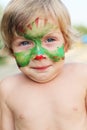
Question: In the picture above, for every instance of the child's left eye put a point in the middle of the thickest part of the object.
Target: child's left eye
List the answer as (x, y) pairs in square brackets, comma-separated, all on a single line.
[(50, 40)]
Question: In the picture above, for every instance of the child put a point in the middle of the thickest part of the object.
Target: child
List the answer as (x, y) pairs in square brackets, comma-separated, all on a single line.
[(48, 94)]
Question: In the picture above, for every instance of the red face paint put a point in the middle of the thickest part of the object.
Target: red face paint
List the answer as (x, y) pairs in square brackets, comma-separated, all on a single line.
[(39, 57)]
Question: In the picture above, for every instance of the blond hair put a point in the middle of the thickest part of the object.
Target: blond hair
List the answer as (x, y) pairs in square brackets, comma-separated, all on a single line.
[(20, 12)]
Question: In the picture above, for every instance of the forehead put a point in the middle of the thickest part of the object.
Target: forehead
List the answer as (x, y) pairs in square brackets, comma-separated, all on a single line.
[(40, 26), (41, 22)]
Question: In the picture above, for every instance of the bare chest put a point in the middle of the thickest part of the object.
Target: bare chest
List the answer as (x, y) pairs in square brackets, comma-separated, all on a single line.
[(49, 110)]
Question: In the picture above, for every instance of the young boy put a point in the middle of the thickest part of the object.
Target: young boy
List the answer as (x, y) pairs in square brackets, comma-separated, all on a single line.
[(48, 94)]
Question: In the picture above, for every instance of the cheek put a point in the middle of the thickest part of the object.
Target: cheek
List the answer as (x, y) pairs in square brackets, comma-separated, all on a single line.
[(58, 66), (53, 46), (56, 55)]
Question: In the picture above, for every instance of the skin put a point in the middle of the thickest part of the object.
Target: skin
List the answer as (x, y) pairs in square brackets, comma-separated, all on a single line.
[(57, 105), (49, 44), (56, 101), (35, 32), (23, 58)]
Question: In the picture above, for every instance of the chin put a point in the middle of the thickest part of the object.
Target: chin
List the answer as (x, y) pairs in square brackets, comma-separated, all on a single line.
[(43, 78)]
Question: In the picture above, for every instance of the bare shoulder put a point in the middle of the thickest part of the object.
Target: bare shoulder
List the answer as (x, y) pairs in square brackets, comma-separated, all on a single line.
[(8, 84), (79, 69)]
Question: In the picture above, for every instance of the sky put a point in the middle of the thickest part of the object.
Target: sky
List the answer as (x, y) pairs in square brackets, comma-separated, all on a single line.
[(76, 8)]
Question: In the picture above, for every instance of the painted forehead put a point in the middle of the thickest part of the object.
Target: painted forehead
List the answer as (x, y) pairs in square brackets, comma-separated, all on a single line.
[(38, 28)]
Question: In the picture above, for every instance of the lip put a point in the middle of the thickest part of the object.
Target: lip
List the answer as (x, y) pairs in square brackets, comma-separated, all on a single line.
[(41, 67)]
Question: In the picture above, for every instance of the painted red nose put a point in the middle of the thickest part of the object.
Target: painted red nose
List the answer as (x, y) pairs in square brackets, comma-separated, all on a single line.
[(39, 57)]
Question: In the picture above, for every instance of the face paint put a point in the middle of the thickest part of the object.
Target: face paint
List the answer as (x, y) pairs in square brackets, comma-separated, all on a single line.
[(23, 58), (38, 28), (35, 32)]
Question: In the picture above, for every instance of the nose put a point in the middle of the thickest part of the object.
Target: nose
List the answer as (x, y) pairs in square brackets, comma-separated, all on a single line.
[(40, 57)]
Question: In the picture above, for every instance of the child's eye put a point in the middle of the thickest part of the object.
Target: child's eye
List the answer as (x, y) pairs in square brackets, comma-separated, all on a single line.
[(25, 43), (50, 40)]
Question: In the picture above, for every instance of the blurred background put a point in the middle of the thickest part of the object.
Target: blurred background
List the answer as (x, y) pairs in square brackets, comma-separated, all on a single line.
[(78, 52)]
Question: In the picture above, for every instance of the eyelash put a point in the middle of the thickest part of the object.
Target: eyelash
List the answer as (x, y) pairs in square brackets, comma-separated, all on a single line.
[(50, 39), (47, 40), (24, 43)]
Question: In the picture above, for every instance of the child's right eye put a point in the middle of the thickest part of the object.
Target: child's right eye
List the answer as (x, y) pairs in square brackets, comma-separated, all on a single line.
[(25, 43)]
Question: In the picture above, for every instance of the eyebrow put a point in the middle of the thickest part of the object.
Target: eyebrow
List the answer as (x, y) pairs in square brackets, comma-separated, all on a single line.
[(53, 33), (19, 39)]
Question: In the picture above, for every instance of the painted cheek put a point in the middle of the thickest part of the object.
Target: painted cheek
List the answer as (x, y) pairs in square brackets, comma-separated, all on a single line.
[(23, 58)]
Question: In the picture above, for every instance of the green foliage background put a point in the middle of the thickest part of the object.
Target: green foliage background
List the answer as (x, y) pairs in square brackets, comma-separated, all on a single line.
[(81, 28)]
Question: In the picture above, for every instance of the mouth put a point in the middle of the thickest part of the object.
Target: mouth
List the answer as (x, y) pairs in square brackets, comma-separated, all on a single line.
[(41, 67)]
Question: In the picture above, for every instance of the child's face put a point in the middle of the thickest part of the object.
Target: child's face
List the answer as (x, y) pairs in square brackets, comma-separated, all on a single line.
[(39, 52)]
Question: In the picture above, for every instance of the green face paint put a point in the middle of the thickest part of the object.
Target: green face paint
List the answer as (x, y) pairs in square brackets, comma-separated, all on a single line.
[(23, 58), (35, 34), (38, 28)]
